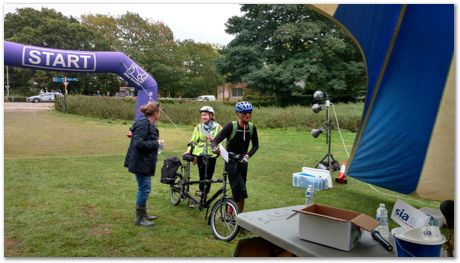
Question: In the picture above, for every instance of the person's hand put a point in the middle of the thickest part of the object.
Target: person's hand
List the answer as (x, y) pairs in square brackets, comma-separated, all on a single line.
[(161, 144), (216, 150), (245, 158), (210, 138), (130, 134)]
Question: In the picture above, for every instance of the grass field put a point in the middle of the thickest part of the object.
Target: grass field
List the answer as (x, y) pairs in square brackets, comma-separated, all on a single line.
[(67, 194)]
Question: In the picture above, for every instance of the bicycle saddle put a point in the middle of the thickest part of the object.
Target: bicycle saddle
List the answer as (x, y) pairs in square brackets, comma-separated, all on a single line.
[(187, 157)]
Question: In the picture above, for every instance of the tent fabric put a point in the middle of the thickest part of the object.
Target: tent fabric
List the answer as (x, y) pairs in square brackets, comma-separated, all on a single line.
[(373, 27), (394, 140), (19, 55), (328, 9), (438, 173)]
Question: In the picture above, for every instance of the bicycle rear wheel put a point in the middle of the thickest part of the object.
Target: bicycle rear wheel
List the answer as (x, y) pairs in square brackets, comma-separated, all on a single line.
[(223, 220), (175, 192)]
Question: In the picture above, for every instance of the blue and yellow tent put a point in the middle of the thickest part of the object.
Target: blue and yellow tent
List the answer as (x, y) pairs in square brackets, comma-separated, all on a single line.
[(406, 139)]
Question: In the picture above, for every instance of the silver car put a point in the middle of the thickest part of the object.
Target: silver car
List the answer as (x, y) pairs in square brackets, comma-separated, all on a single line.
[(44, 97), (206, 98)]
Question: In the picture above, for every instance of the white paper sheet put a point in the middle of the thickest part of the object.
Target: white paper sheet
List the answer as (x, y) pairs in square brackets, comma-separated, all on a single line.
[(408, 216), (223, 153)]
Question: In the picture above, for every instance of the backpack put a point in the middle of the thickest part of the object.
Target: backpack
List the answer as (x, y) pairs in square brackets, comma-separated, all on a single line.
[(169, 170), (235, 127)]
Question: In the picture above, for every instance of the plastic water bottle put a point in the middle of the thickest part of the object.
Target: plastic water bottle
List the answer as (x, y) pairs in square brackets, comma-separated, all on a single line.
[(325, 186), (322, 183), (309, 195), (160, 147), (382, 217)]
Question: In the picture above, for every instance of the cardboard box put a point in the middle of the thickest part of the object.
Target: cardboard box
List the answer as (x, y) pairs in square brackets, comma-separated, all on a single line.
[(333, 227)]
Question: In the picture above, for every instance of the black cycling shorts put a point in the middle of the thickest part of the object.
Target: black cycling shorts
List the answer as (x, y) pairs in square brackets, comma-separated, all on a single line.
[(237, 174)]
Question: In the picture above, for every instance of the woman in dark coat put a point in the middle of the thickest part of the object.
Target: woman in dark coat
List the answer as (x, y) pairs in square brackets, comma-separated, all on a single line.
[(142, 157)]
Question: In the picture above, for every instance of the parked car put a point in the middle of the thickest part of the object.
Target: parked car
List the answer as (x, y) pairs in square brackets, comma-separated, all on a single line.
[(207, 98), (44, 97)]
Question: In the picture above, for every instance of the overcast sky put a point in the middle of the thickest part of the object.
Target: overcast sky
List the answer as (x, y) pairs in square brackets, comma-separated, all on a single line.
[(200, 22)]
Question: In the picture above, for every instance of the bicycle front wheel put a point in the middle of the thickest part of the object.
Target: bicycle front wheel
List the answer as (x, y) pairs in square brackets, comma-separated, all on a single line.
[(175, 192), (223, 220)]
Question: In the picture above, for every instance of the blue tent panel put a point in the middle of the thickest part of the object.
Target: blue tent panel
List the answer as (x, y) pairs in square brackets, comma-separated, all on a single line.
[(373, 27), (395, 138)]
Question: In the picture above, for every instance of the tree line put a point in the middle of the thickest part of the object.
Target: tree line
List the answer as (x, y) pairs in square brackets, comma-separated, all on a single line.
[(181, 68), (280, 51), (290, 51)]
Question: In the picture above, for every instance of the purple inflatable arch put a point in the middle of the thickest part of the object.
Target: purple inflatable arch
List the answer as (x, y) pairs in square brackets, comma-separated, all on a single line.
[(18, 55)]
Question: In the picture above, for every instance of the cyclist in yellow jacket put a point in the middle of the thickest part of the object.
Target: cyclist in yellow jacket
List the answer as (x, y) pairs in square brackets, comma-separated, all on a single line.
[(202, 136)]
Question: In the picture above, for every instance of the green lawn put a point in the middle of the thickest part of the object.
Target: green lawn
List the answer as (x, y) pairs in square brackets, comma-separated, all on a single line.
[(67, 194)]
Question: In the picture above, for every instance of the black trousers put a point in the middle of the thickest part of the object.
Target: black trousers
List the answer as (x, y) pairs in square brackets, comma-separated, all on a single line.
[(210, 172), (237, 176)]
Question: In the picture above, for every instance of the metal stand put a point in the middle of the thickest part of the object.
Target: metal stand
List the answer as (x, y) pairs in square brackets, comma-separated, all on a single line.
[(331, 164)]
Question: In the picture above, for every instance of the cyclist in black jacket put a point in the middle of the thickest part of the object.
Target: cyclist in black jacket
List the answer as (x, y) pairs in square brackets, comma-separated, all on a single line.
[(238, 134)]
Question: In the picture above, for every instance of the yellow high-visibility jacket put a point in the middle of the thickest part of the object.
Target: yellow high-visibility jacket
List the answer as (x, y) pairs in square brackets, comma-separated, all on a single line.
[(200, 141)]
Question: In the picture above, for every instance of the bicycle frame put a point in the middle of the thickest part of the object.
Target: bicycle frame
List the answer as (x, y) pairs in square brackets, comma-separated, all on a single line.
[(222, 216), (203, 202)]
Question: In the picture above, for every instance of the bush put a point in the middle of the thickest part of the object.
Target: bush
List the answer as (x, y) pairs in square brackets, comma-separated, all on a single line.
[(15, 99), (186, 112), (100, 107)]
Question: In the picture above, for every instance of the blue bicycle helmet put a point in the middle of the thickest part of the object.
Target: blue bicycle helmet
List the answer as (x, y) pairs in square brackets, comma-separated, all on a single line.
[(243, 106)]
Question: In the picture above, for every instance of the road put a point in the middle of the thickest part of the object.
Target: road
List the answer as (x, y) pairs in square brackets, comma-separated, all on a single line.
[(28, 106)]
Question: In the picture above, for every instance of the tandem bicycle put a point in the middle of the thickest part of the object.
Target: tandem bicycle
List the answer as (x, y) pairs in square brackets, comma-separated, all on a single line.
[(222, 217)]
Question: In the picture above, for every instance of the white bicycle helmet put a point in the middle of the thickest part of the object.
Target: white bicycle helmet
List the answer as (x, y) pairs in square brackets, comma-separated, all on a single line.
[(207, 109)]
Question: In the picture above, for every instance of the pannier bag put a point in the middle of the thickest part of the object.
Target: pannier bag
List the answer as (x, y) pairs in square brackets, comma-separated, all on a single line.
[(169, 170)]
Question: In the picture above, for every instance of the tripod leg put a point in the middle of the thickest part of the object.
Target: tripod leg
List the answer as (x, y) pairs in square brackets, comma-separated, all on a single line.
[(320, 162), (330, 161)]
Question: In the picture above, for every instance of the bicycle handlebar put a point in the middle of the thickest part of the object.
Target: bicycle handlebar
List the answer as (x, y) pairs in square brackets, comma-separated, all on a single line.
[(235, 157)]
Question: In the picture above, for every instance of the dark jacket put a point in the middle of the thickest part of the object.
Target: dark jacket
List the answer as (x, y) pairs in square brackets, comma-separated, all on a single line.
[(240, 143), (141, 157)]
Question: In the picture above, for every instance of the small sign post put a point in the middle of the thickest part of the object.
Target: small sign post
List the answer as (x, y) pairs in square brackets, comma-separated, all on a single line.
[(65, 85), (7, 84), (65, 81)]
